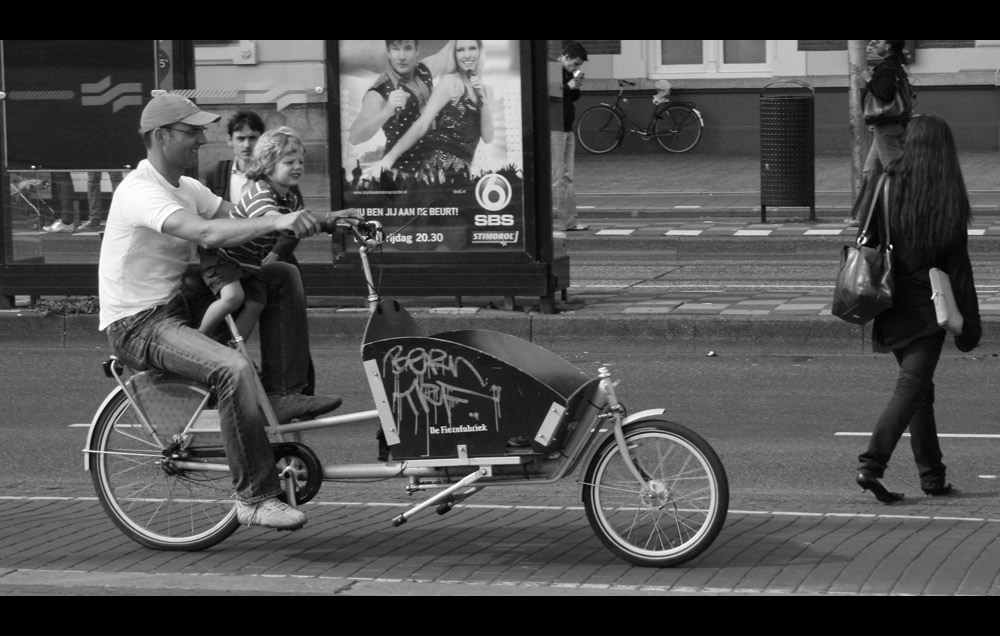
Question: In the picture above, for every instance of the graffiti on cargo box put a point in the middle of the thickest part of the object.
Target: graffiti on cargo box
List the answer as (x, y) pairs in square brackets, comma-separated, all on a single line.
[(430, 384)]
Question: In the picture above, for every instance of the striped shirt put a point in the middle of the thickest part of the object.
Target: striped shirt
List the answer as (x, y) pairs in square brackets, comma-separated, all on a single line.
[(260, 199)]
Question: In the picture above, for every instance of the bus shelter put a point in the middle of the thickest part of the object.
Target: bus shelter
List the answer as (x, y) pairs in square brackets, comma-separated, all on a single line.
[(71, 110)]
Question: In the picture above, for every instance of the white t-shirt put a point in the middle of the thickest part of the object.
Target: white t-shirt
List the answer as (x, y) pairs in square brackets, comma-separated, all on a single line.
[(238, 185), (140, 266)]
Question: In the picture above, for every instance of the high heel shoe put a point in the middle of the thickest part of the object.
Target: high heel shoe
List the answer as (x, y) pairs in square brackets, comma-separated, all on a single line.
[(938, 491), (867, 482)]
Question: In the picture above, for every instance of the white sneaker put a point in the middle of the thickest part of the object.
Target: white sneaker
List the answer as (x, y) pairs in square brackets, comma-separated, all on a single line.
[(270, 513), (59, 226)]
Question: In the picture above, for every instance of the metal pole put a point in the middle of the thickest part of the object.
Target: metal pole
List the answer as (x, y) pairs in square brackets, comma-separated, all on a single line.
[(857, 60)]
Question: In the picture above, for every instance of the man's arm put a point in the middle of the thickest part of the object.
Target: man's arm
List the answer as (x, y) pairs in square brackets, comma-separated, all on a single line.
[(225, 210), (226, 232), (222, 231)]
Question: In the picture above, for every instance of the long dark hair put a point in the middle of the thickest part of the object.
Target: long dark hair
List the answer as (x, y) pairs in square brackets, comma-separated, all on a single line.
[(930, 205)]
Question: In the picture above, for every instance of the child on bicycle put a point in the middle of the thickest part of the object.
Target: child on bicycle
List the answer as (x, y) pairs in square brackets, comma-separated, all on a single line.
[(233, 273)]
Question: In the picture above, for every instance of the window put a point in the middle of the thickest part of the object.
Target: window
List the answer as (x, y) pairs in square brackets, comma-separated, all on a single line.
[(711, 57)]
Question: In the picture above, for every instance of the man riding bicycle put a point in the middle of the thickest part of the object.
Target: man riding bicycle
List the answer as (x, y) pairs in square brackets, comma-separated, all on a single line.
[(157, 216)]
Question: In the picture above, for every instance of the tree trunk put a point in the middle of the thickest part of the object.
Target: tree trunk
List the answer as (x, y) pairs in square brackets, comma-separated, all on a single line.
[(857, 60)]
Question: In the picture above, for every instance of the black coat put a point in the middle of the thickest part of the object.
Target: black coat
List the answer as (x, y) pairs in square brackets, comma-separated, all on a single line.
[(912, 313), (884, 84)]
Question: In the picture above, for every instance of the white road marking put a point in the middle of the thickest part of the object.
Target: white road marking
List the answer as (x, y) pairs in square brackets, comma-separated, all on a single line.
[(769, 513), (952, 435)]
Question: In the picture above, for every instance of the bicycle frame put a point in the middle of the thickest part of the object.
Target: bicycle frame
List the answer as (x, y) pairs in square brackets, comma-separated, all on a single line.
[(675, 125), (598, 416), (654, 491)]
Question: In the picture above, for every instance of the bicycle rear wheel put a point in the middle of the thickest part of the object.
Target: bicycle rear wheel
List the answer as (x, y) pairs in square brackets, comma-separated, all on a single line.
[(678, 128), (152, 501), (599, 130), (679, 510)]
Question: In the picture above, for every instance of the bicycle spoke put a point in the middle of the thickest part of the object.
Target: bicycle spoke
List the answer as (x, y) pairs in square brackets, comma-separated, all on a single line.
[(599, 130), (677, 128), (670, 518), (152, 499)]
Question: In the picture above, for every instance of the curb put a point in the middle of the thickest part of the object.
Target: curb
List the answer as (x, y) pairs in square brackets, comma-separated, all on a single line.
[(776, 246), (681, 334)]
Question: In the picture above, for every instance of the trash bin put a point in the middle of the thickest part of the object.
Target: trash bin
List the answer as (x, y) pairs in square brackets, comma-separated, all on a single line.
[(787, 149)]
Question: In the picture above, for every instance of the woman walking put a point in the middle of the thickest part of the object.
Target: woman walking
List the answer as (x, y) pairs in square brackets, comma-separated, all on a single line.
[(929, 215)]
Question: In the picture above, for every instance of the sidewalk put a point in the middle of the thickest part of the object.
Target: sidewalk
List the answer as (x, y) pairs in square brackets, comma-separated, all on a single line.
[(706, 175), (659, 187), (67, 546), (684, 208)]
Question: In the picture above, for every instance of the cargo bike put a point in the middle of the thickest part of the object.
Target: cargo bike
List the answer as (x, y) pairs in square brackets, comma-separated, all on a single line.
[(459, 412)]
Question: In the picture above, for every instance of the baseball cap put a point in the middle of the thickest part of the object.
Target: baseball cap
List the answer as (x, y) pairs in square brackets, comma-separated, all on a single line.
[(164, 110)]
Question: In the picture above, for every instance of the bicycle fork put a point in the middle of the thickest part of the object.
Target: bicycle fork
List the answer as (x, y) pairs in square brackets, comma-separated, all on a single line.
[(615, 411)]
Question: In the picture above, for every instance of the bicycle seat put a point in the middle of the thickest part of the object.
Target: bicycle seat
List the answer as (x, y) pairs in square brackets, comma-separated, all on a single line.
[(662, 92)]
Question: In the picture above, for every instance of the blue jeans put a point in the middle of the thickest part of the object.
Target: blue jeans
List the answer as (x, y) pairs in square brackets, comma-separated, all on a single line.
[(564, 213), (94, 194), (911, 406), (887, 146), (165, 337)]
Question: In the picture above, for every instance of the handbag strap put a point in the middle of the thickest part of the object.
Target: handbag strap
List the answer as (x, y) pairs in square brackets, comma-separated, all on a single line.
[(887, 243), (879, 187)]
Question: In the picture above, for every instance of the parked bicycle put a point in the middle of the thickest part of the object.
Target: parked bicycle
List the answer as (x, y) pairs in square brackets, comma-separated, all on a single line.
[(676, 126), (27, 200), (460, 411)]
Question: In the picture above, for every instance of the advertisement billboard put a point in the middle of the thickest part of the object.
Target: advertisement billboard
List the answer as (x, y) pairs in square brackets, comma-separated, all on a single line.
[(432, 143)]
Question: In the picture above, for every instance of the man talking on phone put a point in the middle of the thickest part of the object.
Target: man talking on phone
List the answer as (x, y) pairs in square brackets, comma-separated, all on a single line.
[(564, 213)]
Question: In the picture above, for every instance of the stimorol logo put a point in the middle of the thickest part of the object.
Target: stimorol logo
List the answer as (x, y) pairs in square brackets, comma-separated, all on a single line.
[(493, 193), (119, 96)]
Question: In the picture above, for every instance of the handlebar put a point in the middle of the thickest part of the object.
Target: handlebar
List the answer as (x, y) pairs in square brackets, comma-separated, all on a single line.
[(367, 233)]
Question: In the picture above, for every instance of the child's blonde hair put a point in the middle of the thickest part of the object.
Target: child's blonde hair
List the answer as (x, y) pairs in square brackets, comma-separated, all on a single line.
[(270, 148)]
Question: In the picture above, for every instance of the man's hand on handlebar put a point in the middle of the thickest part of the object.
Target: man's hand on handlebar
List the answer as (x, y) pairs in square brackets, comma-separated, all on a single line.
[(306, 222), (331, 221)]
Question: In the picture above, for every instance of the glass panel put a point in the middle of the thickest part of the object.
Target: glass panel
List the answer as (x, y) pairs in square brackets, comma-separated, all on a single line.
[(70, 121), (39, 198), (284, 83), (744, 51), (674, 52), (431, 132)]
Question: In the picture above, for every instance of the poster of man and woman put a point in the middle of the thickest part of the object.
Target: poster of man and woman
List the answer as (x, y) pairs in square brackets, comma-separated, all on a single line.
[(431, 139)]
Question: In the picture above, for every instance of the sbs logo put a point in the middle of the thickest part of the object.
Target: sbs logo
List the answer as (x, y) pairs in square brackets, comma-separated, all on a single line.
[(493, 193)]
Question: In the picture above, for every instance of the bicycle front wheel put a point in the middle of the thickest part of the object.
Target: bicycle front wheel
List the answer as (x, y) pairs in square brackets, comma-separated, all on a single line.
[(678, 128), (599, 130), (146, 495), (672, 517)]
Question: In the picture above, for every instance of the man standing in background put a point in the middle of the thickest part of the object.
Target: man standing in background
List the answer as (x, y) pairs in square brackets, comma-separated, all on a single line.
[(228, 178), (564, 142)]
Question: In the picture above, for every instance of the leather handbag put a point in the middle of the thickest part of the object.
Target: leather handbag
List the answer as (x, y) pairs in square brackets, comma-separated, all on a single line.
[(945, 307), (865, 285), (899, 109)]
